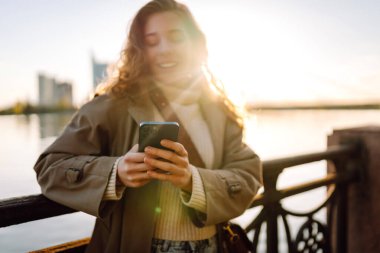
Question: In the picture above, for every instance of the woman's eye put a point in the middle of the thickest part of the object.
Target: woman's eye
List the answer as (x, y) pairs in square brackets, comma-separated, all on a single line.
[(151, 40), (177, 36)]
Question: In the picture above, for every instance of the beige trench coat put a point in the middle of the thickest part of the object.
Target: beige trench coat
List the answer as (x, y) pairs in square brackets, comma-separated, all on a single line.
[(74, 171)]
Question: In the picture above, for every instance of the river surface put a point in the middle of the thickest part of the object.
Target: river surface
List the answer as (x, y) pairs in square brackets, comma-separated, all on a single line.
[(272, 134)]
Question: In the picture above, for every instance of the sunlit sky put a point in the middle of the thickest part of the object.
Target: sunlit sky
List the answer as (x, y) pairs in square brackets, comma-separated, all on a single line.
[(267, 51)]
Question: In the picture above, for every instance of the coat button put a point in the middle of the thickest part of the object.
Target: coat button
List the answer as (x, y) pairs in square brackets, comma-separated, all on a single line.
[(234, 188), (74, 175)]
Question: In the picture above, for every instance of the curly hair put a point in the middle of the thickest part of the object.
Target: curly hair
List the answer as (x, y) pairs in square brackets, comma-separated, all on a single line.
[(131, 73)]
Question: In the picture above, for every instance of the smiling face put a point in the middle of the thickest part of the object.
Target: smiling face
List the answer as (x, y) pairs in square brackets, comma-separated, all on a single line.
[(168, 48)]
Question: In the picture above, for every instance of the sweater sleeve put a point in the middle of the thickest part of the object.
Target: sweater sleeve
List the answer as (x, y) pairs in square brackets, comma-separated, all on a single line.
[(197, 198), (113, 190)]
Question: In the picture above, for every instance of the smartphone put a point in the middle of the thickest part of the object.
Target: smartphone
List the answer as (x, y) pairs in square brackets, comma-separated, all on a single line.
[(151, 133)]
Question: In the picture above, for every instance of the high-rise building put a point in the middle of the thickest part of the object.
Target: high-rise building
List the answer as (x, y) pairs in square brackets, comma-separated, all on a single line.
[(64, 94), (99, 71), (53, 93), (45, 90)]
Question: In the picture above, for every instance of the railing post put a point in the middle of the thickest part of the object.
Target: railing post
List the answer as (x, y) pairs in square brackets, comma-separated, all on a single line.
[(271, 211), (272, 229), (341, 236), (356, 220)]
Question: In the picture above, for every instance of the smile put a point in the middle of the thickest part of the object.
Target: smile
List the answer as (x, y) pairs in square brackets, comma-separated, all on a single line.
[(167, 65)]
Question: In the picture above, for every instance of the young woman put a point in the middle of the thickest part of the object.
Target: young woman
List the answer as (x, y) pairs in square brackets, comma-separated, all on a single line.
[(94, 165)]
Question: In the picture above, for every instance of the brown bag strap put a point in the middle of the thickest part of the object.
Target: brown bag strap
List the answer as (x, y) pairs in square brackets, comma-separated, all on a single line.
[(168, 114)]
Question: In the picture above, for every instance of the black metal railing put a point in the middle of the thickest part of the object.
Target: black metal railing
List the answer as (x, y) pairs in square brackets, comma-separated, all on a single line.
[(312, 236)]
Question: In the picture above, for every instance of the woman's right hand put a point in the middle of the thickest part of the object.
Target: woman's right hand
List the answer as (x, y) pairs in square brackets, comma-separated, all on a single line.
[(131, 169)]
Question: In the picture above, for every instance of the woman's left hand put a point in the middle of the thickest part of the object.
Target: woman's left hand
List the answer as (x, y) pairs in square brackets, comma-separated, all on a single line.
[(176, 163)]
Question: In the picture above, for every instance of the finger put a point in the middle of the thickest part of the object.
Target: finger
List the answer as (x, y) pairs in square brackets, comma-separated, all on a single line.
[(134, 157), (137, 177), (151, 156), (135, 167), (175, 146), (161, 153), (166, 166), (160, 176), (138, 183), (135, 148)]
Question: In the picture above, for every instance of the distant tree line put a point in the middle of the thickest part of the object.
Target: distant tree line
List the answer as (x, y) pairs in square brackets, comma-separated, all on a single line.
[(251, 107), (28, 108)]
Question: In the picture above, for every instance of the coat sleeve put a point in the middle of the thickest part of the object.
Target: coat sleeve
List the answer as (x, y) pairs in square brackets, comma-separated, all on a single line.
[(230, 189), (75, 169)]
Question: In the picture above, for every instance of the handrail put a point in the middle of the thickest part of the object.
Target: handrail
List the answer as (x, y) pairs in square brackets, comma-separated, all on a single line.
[(35, 207), (19, 210), (275, 166)]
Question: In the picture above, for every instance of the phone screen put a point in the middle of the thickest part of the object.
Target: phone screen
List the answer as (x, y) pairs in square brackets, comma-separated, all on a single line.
[(151, 133)]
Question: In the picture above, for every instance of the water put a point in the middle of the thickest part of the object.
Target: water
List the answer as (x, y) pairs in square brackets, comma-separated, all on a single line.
[(271, 134)]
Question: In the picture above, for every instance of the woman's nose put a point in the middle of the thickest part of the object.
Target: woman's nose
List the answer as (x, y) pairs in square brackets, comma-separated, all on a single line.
[(165, 46)]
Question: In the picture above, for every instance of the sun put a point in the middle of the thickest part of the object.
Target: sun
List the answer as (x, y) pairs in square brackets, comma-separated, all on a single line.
[(260, 58)]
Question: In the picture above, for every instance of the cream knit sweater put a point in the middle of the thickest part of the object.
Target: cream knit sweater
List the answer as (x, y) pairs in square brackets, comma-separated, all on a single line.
[(173, 223)]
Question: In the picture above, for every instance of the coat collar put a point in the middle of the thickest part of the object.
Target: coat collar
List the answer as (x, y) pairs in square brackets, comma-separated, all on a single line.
[(141, 108)]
